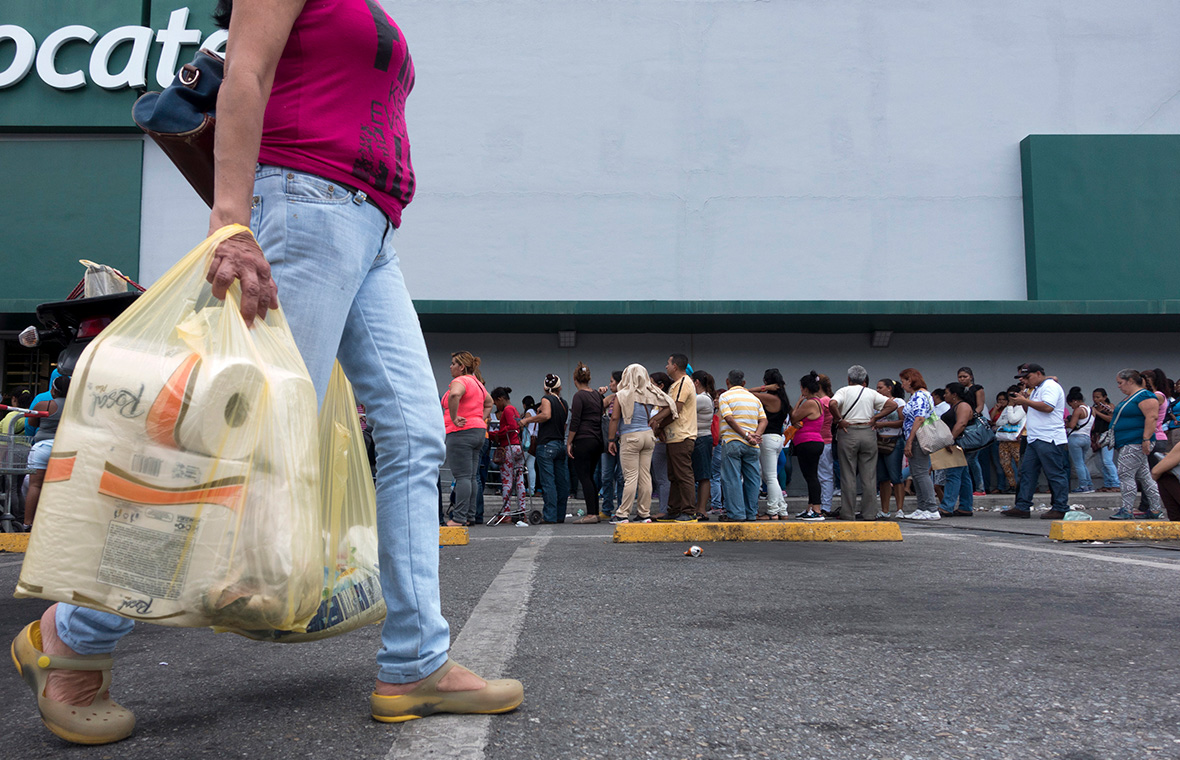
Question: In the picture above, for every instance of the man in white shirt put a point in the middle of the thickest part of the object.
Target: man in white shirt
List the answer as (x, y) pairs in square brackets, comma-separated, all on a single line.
[(855, 408), (1044, 401)]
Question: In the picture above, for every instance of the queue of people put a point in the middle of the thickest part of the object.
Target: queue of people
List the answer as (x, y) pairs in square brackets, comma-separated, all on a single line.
[(672, 446)]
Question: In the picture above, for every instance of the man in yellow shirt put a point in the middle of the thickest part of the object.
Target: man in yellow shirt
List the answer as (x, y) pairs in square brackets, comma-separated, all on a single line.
[(743, 420), (680, 435)]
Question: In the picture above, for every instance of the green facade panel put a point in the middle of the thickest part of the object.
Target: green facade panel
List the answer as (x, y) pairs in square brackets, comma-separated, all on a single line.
[(1101, 216), (77, 199)]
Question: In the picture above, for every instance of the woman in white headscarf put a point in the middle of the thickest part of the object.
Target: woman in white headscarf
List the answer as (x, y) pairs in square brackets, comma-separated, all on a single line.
[(632, 440)]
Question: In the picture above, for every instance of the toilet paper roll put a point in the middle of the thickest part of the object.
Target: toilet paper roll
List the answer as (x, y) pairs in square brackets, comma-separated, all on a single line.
[(142, 531), (206, 405)]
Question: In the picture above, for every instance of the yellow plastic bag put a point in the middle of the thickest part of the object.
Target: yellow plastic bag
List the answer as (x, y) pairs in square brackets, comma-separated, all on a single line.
[(348, 503), (183, 487)]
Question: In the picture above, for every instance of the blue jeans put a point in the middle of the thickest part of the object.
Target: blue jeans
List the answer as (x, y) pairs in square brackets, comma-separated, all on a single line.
[(1110, 473), (553, 477), (611, 475), (976, 470), (1050, 457), (1079, 445), (342, 292), (889, 465), (741, 476), (958, 490), (716, 497)]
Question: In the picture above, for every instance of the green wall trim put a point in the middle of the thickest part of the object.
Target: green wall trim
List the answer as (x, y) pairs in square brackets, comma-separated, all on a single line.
[(799, 316)]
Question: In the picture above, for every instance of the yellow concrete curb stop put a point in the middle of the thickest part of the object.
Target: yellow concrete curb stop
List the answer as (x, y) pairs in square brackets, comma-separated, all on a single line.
[(1105, 530), (452, 536), (684, 532), (14, 542)]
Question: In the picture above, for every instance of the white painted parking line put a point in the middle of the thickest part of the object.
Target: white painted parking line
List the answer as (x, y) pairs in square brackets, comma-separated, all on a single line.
[(10, 561), (1065, 552), (485, 645)]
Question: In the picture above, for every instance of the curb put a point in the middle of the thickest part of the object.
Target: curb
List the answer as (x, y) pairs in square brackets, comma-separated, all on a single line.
[(1103, 530), (452, 536), (14, 542), (680, 532)]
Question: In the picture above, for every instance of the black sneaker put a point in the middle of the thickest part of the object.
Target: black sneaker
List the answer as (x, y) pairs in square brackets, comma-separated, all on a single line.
[(727, 518), (686, 518), (664, 517), (616, 520), (812, 517)]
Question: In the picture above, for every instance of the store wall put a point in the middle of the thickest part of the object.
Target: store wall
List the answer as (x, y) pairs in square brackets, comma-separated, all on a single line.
[(639, 149)]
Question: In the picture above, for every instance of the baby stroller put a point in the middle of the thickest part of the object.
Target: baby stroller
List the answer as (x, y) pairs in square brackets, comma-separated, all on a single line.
[(509, 512)]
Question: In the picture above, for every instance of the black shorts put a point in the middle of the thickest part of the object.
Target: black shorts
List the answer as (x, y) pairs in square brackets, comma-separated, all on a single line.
[(702, 458)]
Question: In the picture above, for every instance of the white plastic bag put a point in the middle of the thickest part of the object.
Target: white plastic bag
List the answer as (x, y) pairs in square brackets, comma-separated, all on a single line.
[(183, 488)]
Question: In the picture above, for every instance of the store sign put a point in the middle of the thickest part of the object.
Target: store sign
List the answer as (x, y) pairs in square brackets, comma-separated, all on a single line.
[(78, 65), (133, 73)]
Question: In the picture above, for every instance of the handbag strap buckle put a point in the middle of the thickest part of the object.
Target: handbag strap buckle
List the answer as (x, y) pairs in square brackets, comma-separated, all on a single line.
[(188, 75)]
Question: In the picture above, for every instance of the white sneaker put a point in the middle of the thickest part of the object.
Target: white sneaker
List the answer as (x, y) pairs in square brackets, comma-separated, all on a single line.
[(915, 515), (935, 515)]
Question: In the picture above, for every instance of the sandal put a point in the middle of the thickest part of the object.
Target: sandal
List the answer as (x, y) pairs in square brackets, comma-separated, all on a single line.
[(101, 722), (586, 520), (500, 696)]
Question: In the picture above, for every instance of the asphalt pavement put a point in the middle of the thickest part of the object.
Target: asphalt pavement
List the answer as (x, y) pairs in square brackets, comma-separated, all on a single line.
[(972, 638)]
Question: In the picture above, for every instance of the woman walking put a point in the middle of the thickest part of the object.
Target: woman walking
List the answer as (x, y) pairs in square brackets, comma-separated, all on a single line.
[(507, 437), (1134, 425), (287, 165), (584, 444), (466, 407)]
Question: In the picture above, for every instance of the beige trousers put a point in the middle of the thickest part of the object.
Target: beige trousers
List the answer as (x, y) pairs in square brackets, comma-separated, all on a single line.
[(635, 450)]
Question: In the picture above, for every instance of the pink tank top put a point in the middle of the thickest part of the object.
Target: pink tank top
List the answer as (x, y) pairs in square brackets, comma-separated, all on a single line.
[(337, 106), (811, 431), (470, 405), (826, 425)]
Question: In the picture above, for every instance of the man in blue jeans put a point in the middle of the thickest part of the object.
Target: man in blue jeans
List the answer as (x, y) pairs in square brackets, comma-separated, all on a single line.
[(743, 421), (1047, 447)]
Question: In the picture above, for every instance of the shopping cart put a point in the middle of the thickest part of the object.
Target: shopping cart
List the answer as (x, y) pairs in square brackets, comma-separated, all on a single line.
[(14, 466)]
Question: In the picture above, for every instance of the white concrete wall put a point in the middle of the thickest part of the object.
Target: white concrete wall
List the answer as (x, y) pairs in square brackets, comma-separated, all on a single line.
[(669, 138)]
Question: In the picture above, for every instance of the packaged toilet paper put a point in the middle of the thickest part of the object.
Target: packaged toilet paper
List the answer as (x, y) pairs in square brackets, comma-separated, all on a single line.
[(184, 487), (348, 575), (151, 528)]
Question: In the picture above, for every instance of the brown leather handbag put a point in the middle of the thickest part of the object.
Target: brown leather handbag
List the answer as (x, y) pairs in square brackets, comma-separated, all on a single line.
[(181, 119)]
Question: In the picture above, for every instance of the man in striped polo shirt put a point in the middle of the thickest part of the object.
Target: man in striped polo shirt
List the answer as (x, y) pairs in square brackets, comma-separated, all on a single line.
[(743, 421)]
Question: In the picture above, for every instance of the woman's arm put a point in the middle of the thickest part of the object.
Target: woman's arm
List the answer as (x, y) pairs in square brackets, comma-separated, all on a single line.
[(487, 407), (980, 400), (800, 414), (455, 392), (1151, 412), (1167, 463), (613, 430), (258, 32), (542, 415), (963, 415)]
